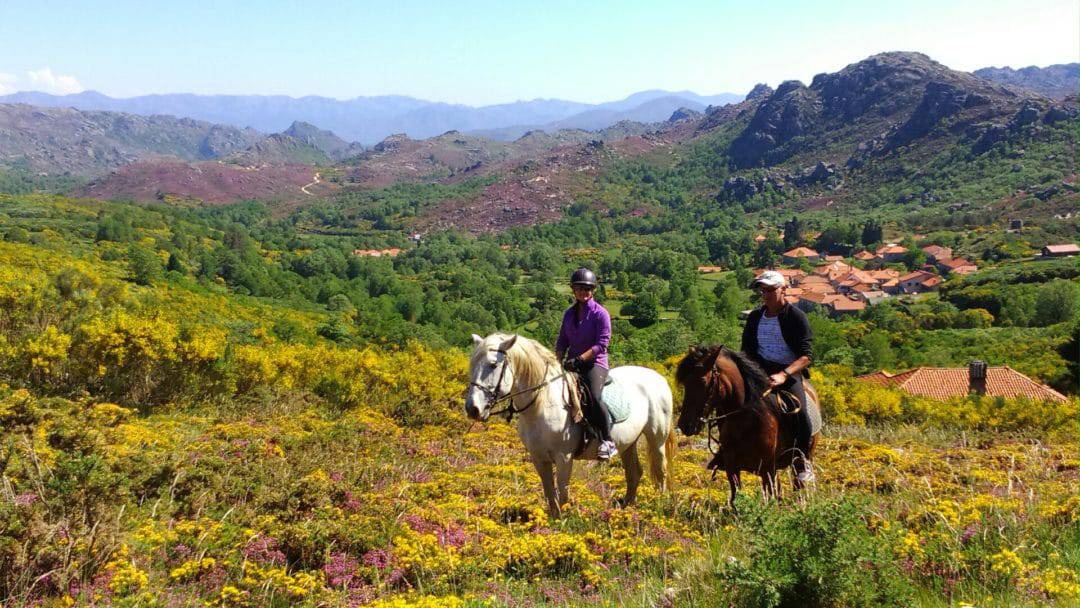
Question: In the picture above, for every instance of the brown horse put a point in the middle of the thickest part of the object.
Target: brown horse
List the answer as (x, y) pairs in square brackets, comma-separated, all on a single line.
[(729, 391)]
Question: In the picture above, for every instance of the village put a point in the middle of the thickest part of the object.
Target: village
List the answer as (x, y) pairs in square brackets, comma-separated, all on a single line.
[(837, 285)]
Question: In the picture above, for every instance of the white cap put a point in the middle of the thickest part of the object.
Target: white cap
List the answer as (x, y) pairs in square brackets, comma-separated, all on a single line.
[(769, 278)]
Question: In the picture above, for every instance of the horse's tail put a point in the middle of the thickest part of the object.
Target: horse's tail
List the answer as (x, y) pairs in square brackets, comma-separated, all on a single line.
[(669, 455)]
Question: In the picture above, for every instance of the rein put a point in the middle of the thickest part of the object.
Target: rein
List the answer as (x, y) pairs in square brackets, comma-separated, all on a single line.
[(495, 398), (714, 424)]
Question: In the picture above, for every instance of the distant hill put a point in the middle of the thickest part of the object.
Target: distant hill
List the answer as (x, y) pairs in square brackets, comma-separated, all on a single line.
[(280, 149), (325, 141), (646, 107), (64, 140), (1055, 81), (364, 119)]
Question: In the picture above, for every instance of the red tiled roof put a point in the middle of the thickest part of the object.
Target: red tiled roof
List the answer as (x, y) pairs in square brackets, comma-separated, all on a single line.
[(843, 303), (801, 252), (956, 263), (945, 383), (884, 274), (817, 297), (893, 248), (864, 255), (938, 251), (834, 258), (919, 275), (1064, 248)]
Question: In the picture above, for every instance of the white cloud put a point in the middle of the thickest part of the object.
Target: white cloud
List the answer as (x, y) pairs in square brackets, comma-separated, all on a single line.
[(44, 80), (7, 83)]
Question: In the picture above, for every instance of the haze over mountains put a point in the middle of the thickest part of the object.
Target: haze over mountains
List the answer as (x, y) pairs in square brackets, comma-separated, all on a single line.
[(368, 120)]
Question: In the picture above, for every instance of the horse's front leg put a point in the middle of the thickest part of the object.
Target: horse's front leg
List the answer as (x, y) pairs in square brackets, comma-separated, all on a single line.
[(564, 467), (734, 480), (547, 480)]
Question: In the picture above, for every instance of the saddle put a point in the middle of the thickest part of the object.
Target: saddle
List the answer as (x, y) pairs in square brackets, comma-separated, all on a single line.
[(583, 398), (786, 404), (579, 400)]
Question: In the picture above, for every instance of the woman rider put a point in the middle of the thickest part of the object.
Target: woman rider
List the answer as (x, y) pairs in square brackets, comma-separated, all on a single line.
[(777, 335), (583, 340)]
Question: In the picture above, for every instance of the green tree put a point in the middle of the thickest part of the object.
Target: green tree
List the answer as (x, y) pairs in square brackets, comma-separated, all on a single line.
[(144, 264), (644, 309), (1055, 303)]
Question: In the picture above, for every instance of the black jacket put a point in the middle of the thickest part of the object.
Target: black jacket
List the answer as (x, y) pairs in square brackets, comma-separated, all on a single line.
[(794, 326)]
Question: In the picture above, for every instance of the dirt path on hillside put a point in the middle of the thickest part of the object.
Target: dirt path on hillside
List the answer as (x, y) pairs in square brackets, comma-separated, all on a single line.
[(318, 180)]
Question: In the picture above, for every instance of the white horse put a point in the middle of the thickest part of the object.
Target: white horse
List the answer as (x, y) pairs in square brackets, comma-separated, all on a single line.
[(526, 377)]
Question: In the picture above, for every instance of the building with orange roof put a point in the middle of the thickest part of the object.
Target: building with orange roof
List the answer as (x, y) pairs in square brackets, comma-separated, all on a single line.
[(793, 256), (864, 256), (919, 281), (937, 253), (958, 266), (841, 305), (834, 258), (1061, 251), (891, 253), (978, 378)]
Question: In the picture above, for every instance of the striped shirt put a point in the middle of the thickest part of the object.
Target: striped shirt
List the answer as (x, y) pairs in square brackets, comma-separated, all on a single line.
[(771, 344)]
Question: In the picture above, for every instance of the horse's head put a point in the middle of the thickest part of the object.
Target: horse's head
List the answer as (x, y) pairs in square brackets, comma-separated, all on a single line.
[(491, 374), (710, 380)]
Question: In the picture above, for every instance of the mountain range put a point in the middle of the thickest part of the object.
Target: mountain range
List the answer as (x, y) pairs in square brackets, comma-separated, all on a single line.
[(847, 136), (1055, 81), (368, 120)]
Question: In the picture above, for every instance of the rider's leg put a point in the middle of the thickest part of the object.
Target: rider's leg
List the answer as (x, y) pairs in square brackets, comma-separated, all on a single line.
[(803, 427), (598, 416)]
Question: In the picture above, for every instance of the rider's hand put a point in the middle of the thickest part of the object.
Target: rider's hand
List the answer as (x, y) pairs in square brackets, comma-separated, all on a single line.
[(777, 379), (570, 365)]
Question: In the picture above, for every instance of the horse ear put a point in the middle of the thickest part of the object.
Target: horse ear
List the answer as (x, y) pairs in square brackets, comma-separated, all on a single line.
[(509, 343), (477, 340)]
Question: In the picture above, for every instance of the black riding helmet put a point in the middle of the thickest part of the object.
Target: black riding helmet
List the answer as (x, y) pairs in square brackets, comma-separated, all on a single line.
[(583, 276)]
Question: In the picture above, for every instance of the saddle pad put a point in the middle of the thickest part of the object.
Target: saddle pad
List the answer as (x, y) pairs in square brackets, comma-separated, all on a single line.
[(813, 409), (618, 401)]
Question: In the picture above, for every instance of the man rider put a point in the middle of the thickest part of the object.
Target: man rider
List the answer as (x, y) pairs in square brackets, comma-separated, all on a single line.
[(777, 335), (583, 339)]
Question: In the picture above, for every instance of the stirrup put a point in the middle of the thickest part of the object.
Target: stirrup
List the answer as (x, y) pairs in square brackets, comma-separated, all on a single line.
[(609, 452)]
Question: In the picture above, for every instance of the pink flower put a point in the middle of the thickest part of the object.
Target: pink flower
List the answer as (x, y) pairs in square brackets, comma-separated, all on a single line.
[(25, 500), (340, 570), (264, 549)]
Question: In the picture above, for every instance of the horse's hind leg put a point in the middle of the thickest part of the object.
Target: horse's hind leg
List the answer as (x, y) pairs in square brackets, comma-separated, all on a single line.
[(632, 466), (658, 460), (547, 479)]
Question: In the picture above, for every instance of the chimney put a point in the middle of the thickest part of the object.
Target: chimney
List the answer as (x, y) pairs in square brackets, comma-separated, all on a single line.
[(977, 377)]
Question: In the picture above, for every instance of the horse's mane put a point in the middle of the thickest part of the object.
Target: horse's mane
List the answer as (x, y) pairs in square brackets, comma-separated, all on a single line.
[(531, 361), (698, 360)]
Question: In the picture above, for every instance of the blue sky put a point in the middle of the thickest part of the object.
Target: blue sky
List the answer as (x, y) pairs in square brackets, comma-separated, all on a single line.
[(481, 52)]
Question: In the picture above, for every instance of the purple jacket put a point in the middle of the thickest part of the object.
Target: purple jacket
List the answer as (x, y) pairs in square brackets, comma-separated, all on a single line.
[(593, 332)]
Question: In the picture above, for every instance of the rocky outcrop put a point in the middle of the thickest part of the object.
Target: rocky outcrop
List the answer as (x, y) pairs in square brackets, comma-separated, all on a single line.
[(780, 120), (684, 114), (940, 101), (325, 141)]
